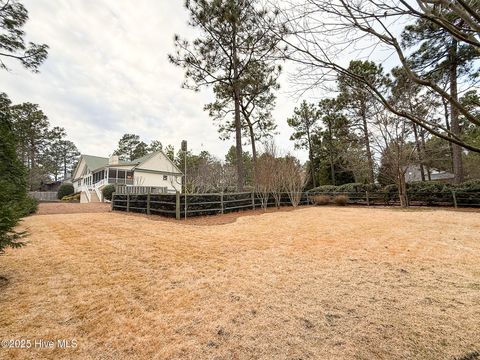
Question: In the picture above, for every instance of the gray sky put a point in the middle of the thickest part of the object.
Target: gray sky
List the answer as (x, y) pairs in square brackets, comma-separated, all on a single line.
[(107, 74)]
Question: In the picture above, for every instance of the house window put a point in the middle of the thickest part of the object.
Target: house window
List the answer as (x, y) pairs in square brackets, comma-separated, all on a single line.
[(165, 177), (129, 177)]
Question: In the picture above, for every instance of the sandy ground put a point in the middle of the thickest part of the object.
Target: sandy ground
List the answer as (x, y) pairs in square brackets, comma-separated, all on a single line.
[(47, 208), (314, 283)]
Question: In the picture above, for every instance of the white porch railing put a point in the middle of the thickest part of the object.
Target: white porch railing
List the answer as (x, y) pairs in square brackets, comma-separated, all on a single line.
[(86, 190), (97, 187)]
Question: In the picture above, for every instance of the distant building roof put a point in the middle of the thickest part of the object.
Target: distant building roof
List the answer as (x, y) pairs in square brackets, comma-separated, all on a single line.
[(413, 174)]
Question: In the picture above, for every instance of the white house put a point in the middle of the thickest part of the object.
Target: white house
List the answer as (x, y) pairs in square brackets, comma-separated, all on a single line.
[(92, 173), (413, 174)]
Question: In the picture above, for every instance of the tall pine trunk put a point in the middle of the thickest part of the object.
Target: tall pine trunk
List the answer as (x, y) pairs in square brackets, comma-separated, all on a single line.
[(419, 152), (252, 140), (254, 151), (454, 121), (447, 125), (330, 140), (371, 175), (310, 157), (238, 122)]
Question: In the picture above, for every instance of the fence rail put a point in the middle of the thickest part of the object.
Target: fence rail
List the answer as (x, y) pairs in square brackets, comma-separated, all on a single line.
[(178, 205)]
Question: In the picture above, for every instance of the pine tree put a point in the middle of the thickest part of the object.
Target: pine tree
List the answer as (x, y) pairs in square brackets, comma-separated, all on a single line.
[(440, 57), (62, 156), (305, 123), (360, 102), (12, 181), (332, 141), (13, 17), (232, 40), (130, 147), (257, 103)]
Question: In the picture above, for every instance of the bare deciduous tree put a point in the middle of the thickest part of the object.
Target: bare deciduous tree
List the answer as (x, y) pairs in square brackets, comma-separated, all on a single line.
[(322, 32), (294, 179)]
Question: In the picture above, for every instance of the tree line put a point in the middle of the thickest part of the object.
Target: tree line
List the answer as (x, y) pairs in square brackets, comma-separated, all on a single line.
[(14, 202), (44, 150), (423, 111)]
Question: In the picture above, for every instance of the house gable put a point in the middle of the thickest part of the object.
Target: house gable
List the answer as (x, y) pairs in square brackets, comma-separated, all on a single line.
[(158, 161), (80, 169)]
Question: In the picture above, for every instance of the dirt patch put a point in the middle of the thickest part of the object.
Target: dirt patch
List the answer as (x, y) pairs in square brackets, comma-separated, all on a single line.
[(71, 208), (312, 283), (3, 281)]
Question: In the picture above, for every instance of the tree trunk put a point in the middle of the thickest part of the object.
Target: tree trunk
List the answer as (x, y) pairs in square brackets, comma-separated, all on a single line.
[(447, 125), (424, 151), (371, 175), (310, 157), (419, 152), (254, 151), (455, 124), (238, 122), (332, 166), (402, 189), (252, 140)]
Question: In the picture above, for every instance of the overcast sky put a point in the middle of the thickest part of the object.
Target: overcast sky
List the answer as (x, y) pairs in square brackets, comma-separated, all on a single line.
[(107, 74)]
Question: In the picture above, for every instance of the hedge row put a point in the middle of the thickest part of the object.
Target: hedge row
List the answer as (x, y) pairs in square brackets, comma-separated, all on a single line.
[(420, 187)]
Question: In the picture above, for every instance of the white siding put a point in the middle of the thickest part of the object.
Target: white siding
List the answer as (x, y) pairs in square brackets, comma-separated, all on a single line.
[(142, 178), (78, 174), (159, 162)]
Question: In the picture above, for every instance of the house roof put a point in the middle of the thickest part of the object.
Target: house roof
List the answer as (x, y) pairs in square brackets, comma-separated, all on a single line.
[(95, 162), (138, 160)]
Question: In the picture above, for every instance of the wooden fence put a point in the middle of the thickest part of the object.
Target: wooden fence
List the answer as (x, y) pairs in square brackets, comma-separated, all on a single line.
[(44, 195), (454, 198), (177, 205)]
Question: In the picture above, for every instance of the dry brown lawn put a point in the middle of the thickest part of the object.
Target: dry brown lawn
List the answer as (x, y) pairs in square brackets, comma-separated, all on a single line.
[(47, 208), (314, 283)]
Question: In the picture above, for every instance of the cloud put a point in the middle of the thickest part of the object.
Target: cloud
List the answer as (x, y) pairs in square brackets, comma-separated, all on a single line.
[(108, 74)]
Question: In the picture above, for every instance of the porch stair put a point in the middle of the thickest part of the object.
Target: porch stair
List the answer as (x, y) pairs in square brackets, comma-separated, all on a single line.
[(94, 197), (88, 196)]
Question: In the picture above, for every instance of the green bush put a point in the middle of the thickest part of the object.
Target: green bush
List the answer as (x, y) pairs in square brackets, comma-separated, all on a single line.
[(108, 191), (352, 187), (72, 198), (28, 206), (427, 187), (322, 189), (471, 185), (65, 190)]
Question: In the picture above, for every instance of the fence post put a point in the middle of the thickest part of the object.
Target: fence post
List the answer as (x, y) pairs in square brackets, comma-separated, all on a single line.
[(148, 203), (454, 199), (177, 205), (128, 202), (368, 198), (113, 199), (253, 200), (221, 200), (186, 205)]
